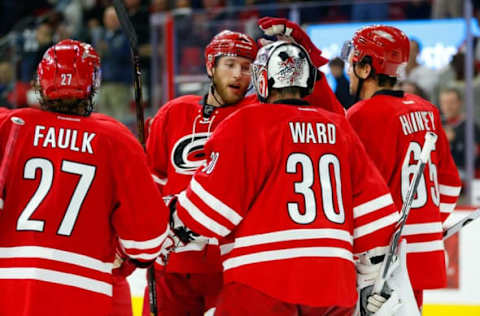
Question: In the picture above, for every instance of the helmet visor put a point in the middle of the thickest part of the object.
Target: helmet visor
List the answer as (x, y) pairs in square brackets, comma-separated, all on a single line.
[(347, 48)]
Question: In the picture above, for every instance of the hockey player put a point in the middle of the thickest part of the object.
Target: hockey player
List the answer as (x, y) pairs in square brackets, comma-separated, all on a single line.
[(175, 150), (290, 194), (392, 127), (77, 184)]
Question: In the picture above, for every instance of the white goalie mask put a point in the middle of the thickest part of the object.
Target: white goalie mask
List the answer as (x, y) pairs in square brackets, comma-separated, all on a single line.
[(282, 65)]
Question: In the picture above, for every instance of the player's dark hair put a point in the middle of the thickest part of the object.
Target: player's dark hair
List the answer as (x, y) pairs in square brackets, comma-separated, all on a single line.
[(82, 107), (382, 80)]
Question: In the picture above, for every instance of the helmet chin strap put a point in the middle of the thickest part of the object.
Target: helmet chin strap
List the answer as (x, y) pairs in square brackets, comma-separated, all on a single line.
[(213, 89), (359, 86)]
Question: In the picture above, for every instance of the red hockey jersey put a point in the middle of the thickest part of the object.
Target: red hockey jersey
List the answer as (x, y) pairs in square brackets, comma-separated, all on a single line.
[(75, 186), (289, 189), (392, 126), (175, 150)]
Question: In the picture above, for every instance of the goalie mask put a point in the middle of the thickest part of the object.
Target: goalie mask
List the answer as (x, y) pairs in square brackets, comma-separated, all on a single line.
[(282, 65), (69, 70)]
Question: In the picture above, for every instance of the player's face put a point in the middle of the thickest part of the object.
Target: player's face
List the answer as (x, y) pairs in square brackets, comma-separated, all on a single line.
[(351, 76), (231, 76)]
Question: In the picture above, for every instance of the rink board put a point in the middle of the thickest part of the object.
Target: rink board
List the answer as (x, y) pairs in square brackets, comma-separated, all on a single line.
[(461, 301)]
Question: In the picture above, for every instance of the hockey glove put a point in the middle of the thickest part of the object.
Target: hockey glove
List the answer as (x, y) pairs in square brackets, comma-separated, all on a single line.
[(122, 265), (282, 27), (368, 268), (182, 232)]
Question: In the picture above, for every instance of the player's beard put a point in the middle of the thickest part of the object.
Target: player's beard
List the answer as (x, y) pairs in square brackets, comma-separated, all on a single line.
[(228, 95)]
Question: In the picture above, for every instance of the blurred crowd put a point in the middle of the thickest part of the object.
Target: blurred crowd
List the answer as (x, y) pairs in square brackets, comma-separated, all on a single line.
[(28, 28)]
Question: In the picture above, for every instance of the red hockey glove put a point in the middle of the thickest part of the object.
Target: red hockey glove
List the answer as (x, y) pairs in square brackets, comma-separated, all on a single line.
[(283, 27)]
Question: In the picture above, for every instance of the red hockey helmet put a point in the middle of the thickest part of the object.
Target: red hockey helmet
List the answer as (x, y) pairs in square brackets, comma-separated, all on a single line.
[(229, 43), (69, 70), (388, 47)]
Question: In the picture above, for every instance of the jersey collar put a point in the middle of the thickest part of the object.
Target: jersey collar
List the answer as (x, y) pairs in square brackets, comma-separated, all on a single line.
[(392, 93), (292, 102)]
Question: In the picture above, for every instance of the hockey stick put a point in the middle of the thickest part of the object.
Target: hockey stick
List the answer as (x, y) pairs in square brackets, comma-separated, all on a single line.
[(452, 230), (379, 286), (127, 27), (8, 154)]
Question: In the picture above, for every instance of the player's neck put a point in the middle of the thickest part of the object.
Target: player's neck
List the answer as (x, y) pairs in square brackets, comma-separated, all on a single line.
[(213, 98), (276, 95), (370, 87)]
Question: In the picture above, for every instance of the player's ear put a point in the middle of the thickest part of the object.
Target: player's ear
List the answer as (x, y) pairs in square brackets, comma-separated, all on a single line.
[(210, 71), (363, 70)]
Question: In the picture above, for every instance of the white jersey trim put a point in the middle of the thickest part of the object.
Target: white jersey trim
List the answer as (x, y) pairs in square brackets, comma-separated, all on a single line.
[(193, 246), (372, 205), (200, 217), (447, 207), (449, 190), (56, 255), (293, 234), (159, 180), (375, 225), (145, 245), (426, 246), (426, 228), (58, 278), (283, 254), (214, 203), (226, 248)]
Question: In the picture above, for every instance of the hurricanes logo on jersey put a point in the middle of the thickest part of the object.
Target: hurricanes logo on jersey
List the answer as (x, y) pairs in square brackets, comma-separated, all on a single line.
[(187, 154)]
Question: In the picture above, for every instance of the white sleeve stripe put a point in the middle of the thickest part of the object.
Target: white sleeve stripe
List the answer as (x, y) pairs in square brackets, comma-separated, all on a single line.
[(226, 248), (144, 245), (57, 277), (56, 255), (200, 217), (375, 225), (158, 180), (449, 190), (214, 203), (426, 246), (193, 246), (447, 207), (426, 228), (294, 234), (144, 256), (290, 253), (372, 205)]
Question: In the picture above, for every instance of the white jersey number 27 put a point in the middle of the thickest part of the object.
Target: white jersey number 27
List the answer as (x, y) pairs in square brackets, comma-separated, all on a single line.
[(326, 163), (86, 173)]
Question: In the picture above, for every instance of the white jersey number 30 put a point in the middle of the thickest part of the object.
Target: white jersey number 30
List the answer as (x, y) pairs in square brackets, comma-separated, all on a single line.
[(326, 164)]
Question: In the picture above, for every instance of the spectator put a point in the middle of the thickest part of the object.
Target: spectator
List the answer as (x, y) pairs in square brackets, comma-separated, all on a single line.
[(451, 105), (421, 75), (342, 90), (418, 10), (447, 9), (369, 11), (114, 94), (412, 88), (34, 43), (6, 83), (454, 76)]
